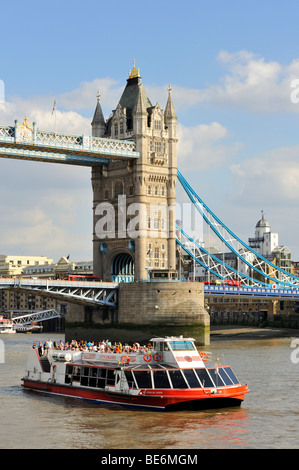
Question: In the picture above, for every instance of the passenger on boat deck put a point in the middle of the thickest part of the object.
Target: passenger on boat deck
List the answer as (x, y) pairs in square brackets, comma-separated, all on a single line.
[(104, 346), (40, 349), (48, 344)]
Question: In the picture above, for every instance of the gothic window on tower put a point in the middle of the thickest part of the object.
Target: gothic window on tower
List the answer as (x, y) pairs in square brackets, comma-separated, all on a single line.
[(149, 190), (157, 124), (129, 120), (158, 146), (121, 127), (115, 129), (156, 257), (118, 188)]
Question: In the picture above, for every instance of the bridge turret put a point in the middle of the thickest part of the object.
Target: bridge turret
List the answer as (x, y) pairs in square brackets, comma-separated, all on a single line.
[(98, 124)]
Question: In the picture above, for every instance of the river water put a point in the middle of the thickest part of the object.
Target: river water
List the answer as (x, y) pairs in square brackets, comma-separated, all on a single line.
[(267, 419)]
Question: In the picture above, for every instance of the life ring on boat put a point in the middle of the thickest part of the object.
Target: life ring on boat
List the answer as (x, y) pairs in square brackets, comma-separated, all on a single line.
[(147, 357), (125, 359), (204, 356), (157, 357)]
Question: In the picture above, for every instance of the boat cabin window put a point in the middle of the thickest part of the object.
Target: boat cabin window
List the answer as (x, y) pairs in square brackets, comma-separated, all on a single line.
[(181, 345), (177, 379), (231, 375), (161, 379), (214, 373), (110, 377), (130, 379), (204, 378), (76, 373), (160, 346), (89, 376), (68, 374), (192, 378), (143, 378), (226, 379)]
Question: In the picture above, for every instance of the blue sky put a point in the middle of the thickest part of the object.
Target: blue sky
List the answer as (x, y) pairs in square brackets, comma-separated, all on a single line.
[(230, 64)]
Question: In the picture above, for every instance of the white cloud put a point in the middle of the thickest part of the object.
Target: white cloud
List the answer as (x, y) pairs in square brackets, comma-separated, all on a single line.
[(44, 229), (250, 82), (204, 147), (274, 176), (254, 84), (85, 96), (39, 110)]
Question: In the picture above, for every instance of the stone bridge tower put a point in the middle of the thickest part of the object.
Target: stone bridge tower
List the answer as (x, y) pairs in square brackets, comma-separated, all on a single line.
[(134, 202)]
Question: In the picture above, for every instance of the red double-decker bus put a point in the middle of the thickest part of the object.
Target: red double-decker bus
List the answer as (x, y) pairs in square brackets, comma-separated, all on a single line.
[(76, 277)]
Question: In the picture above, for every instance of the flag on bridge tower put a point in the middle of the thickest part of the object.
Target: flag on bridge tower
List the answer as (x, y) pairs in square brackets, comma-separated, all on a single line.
[(54, 111), (54, 107)]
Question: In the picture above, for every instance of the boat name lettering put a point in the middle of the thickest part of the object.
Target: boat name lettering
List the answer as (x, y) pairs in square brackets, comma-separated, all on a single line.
[(104, 357)]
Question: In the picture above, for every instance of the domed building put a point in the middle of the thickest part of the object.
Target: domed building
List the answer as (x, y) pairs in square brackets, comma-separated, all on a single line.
[(266, 244)]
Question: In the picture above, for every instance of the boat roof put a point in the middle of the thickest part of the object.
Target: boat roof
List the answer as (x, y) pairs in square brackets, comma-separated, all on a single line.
[(171, 338)]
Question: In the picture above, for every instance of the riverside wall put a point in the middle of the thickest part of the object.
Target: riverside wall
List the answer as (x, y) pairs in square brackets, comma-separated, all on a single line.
[(145, 310)]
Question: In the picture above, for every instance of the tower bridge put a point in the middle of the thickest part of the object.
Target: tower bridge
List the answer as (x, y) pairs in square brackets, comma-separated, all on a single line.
[(134, 175)]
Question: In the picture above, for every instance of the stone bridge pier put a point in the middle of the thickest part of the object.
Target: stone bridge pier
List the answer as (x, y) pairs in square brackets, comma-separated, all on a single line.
[(145, 310)]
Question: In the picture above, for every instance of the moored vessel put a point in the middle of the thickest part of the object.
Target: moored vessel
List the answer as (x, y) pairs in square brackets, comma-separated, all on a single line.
[(6, 326), (33, 328), (171, 375)]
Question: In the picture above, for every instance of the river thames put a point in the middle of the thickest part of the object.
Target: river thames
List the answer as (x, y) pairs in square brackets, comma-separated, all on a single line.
[(267, 419)]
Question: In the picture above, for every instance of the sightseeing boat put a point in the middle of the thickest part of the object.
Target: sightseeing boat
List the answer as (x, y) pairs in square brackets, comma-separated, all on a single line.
[(33, 328), (172, 375), (6, 326)]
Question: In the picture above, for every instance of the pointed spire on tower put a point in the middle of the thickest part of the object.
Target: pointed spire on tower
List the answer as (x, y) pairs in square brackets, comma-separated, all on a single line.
[(169, 110), (140, 107), (98, 122), (134, 73)]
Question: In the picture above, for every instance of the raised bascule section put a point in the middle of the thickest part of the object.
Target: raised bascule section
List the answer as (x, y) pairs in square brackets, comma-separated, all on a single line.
[(133, 160)]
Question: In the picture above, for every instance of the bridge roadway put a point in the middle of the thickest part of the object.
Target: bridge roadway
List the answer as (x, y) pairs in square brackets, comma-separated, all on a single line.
[(27, 142), (80, 292), (257, 292), (106, 293)]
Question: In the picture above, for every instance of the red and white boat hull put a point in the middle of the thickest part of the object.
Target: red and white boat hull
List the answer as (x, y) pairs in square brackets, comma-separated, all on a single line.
[(154, 399)]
